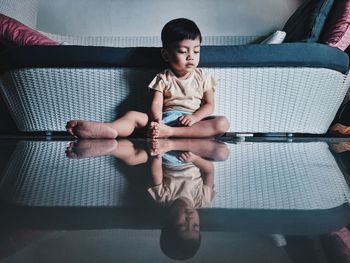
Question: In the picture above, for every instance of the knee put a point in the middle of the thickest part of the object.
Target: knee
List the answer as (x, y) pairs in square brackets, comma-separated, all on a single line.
[(221, 152), (222, 124)]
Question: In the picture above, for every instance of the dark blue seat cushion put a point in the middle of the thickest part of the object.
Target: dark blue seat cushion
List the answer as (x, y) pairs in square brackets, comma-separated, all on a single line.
[(306, 23), (255, 55)]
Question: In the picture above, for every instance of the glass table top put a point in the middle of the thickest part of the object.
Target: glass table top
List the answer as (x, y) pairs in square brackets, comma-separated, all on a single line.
[(258, 200)]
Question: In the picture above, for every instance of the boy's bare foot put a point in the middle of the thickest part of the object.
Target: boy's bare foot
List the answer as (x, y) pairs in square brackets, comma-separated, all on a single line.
[(91, 130), (339, 129), (90, 148), (153, 130), (164, 131)]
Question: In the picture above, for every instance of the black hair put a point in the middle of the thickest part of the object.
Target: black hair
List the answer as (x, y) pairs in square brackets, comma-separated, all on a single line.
[(179, 29), (175, 246)]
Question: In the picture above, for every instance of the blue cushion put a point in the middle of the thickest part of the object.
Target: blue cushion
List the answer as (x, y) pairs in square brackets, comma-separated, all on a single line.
[(312, 55), (257, 55), (306, 24)]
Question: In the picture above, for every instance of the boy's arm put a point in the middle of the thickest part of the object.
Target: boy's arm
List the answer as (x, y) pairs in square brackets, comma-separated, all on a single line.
[(206, 109), (207, 170), (156, 106), (156, 170), (205, 167)]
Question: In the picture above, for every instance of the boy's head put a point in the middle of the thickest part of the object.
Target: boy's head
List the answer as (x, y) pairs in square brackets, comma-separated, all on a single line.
[(179, 29), (181, 40), (180, 237)]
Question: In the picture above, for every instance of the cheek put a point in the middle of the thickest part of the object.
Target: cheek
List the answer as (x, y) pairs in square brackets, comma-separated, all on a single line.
[(179, 59)]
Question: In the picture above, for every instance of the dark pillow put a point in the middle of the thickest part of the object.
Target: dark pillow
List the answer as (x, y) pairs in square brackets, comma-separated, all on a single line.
[(306, 24)]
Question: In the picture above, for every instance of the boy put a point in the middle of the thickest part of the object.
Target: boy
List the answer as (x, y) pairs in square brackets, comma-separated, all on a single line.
[(183, 93)]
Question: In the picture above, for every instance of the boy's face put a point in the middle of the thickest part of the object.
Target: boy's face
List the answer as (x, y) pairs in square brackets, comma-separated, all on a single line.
[(183, 56), (187, 223)]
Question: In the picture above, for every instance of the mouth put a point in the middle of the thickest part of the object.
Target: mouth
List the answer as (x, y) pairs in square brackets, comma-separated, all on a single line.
[(190, 65)]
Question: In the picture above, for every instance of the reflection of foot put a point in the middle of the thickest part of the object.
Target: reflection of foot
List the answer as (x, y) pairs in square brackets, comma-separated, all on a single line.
[(157, 147), (341, 147), (164, 131), (90, 148), (154, 148), (91, 129), (339, 129)]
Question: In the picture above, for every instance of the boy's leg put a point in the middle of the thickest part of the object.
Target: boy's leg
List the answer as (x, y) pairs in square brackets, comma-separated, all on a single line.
[(91, 148), (122, 149), (205, 148), (123, 127), (208, 127)]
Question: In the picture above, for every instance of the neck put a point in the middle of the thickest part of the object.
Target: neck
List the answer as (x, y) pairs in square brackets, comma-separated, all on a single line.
[(181, 75)]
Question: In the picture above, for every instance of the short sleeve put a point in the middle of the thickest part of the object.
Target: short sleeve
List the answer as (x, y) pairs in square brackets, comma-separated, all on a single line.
[(158, 83), (209, 82), (160, 193), (208, 195)]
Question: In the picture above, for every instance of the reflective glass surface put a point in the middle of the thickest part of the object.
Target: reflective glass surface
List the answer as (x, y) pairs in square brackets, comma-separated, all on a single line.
[(258, 200)]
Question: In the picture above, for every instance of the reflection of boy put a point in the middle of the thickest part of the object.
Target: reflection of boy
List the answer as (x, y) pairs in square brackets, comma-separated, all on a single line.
[(183, 182), (184, 175)]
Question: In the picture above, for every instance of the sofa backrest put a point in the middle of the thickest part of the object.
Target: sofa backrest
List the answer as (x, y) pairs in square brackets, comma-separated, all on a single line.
[(24, 11)]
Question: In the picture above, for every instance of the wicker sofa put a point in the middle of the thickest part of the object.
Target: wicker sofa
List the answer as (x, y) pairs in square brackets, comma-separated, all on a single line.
[(284, 92), (286, 88)]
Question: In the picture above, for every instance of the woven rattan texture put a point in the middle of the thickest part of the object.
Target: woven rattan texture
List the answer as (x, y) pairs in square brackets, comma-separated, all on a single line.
[(291, 100), (303, 100), (280, 176), (58, 95), (40, 174), (287, 176)]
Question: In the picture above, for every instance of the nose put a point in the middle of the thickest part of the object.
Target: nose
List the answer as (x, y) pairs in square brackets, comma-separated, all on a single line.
[(190, 56), (189, 215)]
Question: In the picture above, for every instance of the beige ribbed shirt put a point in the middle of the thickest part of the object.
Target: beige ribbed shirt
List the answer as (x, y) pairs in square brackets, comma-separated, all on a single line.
[(183, 94), (182, 182)]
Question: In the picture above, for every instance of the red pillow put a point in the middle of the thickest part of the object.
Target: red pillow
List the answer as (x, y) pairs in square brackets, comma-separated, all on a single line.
[(336, 31), (14, 33)]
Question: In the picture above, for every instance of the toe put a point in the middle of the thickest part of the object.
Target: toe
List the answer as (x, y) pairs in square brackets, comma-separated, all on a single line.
[(71, 124)]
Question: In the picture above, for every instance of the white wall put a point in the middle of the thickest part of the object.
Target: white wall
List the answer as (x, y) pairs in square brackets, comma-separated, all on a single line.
[(147, 17)]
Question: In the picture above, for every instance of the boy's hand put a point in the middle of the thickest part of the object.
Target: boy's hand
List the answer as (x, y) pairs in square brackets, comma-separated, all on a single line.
[(187, 157), (188, 120)]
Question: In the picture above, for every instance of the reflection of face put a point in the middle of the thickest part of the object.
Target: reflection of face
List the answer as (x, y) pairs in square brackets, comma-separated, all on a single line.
[(186, 220), (184, 56)]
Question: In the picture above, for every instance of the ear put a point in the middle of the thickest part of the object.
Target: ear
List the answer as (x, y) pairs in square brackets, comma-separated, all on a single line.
[(165, 54)]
